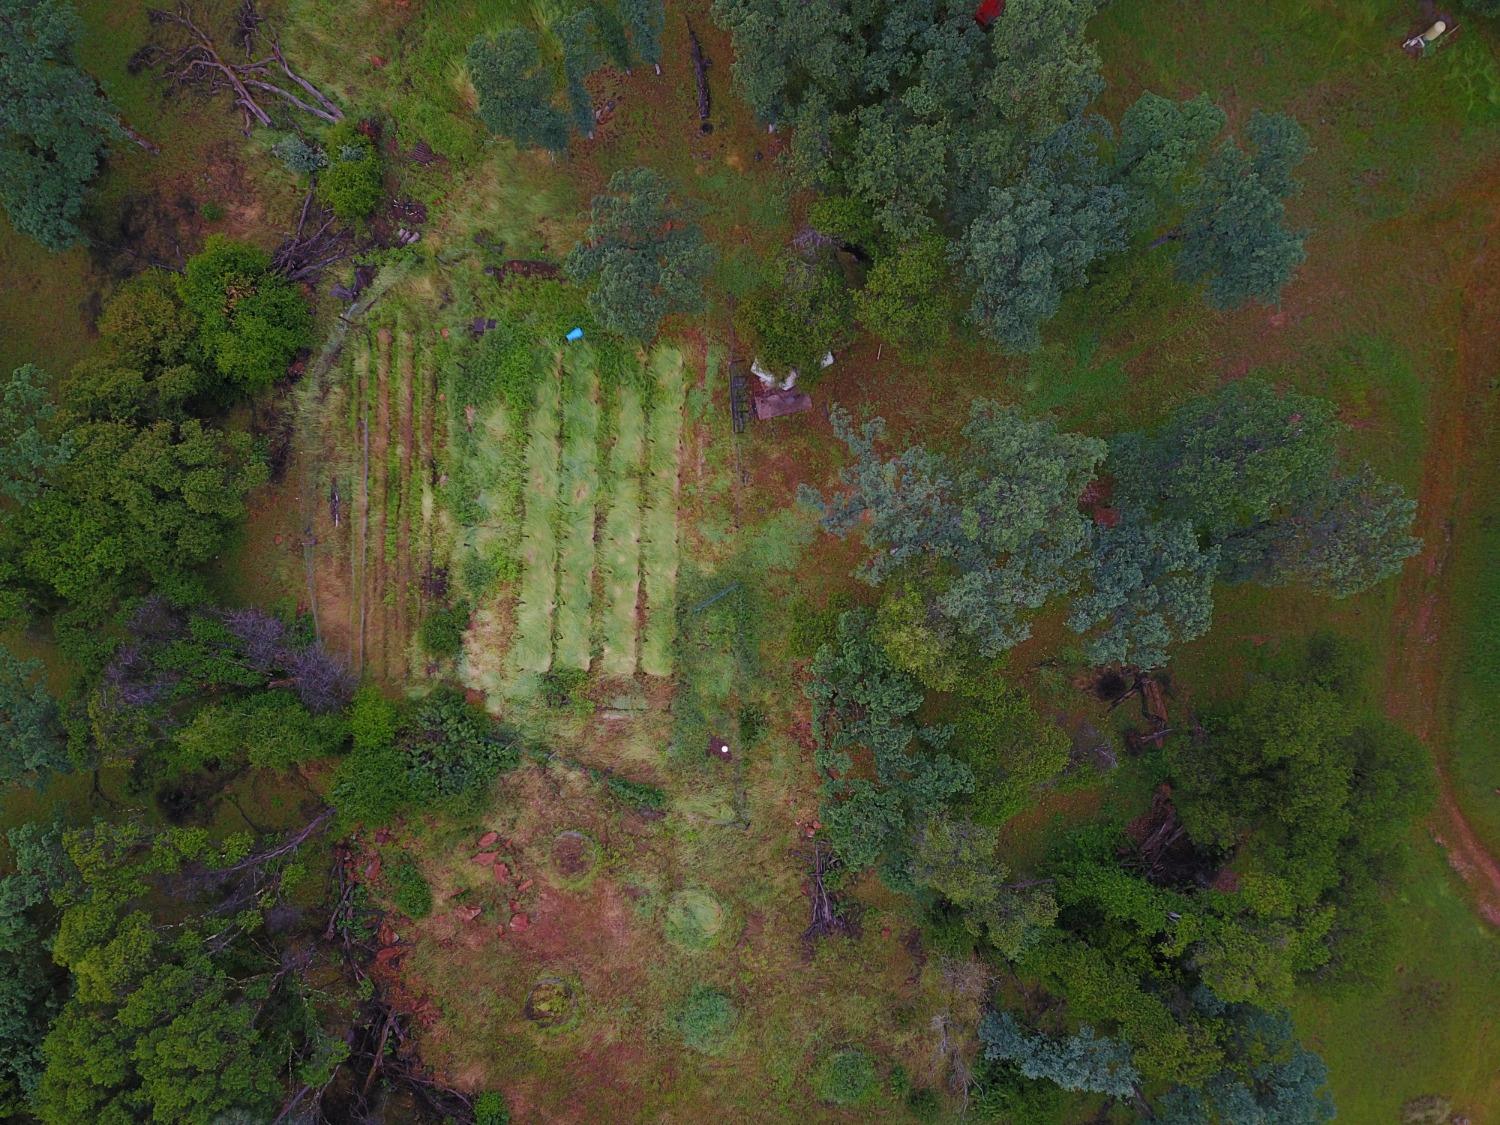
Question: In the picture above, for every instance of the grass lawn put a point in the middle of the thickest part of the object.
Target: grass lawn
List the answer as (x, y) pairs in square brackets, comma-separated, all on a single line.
[(1436, 1028)]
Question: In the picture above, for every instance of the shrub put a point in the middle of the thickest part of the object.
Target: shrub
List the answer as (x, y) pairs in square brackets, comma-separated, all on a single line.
[(792, 324), (905, 298), (442, 633), (211, 212), (846, 1077), (451, 749), (636, 793), (490, 1109), (299, 155), (351, 182), (706, 1020), (251, 320), (410, 893), (372, 719)]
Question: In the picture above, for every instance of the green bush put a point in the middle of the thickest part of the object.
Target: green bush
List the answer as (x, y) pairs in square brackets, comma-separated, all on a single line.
[(251, 320), (351, 182), (372, 719), (706, 1020), (636, 793), (441, 751), (846, 1077), (490, 1109), (410, 893), (795, 322), (442, 633)]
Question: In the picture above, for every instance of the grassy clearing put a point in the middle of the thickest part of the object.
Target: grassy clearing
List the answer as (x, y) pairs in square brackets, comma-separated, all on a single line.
[(620, 555), (579, 492), (1434, 1030), (659, 552), (1474, 760), (532, 647)]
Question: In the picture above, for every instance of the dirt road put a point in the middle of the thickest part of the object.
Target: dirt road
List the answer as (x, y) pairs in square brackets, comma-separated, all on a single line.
[(1418, 682)]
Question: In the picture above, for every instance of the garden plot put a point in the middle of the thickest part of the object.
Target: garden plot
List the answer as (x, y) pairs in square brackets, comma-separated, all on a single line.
[(659, 525), (580, 487), (620, 550), (531, 649)]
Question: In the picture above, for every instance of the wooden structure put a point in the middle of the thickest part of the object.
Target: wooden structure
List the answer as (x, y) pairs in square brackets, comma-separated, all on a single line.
[(778, 404), (739, 396)]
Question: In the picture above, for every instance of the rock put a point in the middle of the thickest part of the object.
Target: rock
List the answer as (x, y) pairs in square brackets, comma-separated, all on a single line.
[(514, 906), (485, 858), (525, 886), (520, 922), (502, 873), (488, 839), (468, 913)]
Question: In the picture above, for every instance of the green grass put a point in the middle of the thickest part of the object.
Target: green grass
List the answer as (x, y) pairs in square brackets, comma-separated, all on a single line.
[(579, 492), (1433, 1029), (1474, 751), (659, 551), (531, 650), (620, 554)]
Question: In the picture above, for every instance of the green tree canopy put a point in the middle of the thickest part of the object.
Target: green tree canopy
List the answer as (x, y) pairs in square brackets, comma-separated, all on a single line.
[(1258, 476), (54, 125), (1235, 236), (30, 449), (1033, 241), (251, 320), (136, 503), (643, 255), (989, 534), (31, 732), (515, 88)]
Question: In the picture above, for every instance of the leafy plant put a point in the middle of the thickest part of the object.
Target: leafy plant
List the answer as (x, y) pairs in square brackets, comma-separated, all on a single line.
[(350, 181), (410, 892), (706, 1020), (846, 1077)]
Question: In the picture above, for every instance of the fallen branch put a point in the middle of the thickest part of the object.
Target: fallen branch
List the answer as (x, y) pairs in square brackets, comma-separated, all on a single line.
[(198, 63)]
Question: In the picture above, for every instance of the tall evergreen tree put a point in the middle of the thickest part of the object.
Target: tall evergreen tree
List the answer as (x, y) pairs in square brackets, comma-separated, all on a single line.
[(31, 736), (643, 254), (29, 451), (54, 126), (515, 88), (1235, 235), (644, 21)]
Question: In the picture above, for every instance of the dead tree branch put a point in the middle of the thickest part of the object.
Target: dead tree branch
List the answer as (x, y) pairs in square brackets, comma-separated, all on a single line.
[(197, 63)]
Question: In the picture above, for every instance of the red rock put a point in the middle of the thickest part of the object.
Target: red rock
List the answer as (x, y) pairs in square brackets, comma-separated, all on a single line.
[(525, 885), (500, 930), (468, 913), (382, 836), (502, 873), (488, 838), (485, 858), (389, 954), (387, 935), (372, 869), (519, 922)]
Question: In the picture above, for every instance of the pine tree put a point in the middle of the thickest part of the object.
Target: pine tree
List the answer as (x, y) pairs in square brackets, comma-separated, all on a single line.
[(515, 89), (644, 21), (54, 126)]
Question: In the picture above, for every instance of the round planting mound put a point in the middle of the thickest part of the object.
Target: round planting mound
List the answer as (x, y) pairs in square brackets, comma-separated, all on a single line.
[(695, 919), (845, 1077), (552, 1002), (706, 1020), (574, 856)]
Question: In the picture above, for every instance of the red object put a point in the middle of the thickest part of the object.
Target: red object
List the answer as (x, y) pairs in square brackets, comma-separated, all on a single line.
[(488, 838), (502, 873), (485, 858), (519, 922), (988, 12), (525, 886)]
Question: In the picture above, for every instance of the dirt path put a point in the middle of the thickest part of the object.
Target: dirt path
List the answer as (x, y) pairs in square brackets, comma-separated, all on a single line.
[(1418, 687)]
